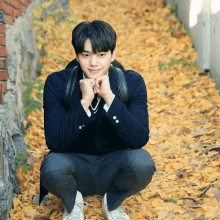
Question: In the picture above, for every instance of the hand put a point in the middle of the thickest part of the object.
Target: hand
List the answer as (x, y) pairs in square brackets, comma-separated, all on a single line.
[(88, 90), (102, 88)]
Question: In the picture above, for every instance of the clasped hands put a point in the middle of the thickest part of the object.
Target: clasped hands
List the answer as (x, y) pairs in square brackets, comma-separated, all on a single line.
[(100, 86)]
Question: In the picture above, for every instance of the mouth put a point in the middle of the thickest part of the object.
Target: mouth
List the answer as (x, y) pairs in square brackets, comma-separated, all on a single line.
[(94, 70)]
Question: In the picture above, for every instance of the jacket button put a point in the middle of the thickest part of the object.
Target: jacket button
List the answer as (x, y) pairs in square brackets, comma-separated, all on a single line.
[(114, 117), (80, 127), (116, 121)]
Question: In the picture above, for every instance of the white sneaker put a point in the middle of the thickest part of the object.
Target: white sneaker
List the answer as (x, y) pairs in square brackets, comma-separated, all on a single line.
[(77, 212), (117, 214)]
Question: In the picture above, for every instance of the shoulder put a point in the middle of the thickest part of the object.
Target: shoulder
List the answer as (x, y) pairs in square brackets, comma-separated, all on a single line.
[(129, 74), (57, 81), (135, 82), (132, 73), (59, 76), (132, 77)]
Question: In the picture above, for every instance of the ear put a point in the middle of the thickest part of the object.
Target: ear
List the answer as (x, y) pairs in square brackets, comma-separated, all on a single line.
[(113, 55), (77, 57)]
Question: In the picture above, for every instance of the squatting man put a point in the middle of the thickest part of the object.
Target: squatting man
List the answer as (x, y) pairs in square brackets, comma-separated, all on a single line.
[(96, 143)]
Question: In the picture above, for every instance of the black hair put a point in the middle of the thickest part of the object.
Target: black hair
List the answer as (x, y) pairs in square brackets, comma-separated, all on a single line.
[(100, 33)]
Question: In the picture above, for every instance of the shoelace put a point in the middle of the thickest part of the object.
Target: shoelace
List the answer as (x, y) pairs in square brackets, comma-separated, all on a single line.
[(77, 211), (118, 214)]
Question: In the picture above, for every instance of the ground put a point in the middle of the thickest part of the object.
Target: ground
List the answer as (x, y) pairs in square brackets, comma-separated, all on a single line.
[(183, 106)]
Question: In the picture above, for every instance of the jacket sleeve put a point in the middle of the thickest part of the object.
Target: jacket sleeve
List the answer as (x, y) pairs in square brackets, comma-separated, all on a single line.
[(61, 128), (131, 123)]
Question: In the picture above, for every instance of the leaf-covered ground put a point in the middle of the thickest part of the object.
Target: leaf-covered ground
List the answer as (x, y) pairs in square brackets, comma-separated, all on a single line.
[(183, 105)]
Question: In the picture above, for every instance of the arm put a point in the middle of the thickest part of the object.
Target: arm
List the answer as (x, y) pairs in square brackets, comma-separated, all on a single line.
[(131, 123), (61, 128), (85, 105)]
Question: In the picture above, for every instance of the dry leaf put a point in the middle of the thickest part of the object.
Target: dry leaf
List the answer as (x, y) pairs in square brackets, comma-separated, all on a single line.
[(200, 132), (192, 204), (162, 214), (38, 217), (186, 130), (216, 192), (31, 160)]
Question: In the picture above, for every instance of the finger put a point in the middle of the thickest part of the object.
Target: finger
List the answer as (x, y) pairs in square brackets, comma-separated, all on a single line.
[(98, 84), (102, 77), (98, 80), (97, 90), (93, 82), (88, 80)]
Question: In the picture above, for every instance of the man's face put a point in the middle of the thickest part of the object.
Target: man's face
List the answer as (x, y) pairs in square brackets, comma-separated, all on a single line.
[(94, 65)]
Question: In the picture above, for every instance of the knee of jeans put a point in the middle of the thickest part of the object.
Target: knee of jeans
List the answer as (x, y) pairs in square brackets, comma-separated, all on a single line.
[(55, 163), (142, 170), (141, 164)]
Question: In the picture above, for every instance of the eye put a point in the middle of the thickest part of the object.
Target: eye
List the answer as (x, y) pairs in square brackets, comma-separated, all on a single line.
[(85, 55), (102, 54)]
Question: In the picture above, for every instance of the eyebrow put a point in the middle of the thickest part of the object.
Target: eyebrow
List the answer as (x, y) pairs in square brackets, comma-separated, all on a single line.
[(86, 51)]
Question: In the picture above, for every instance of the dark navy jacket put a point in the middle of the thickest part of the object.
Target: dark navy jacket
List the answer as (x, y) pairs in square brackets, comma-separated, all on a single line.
[(71, 130)]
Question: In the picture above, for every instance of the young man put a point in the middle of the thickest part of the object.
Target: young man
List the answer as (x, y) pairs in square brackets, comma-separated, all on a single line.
[(95, 147)]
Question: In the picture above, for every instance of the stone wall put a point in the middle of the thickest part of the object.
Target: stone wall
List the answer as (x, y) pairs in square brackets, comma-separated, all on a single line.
[(19, 61)]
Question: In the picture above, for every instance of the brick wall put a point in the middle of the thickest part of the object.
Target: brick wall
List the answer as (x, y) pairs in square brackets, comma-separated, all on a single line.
[(9, 11)]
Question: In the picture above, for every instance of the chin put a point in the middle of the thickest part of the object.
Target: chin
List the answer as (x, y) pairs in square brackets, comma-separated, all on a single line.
[(92, 76), (95, 76)]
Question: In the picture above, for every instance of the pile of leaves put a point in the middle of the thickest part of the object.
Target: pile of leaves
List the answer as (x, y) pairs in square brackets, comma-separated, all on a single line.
[(183, 105)]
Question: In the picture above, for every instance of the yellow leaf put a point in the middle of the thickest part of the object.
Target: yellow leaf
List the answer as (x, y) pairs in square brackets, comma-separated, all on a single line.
[(134, 215), (162, 214), (16, 201), (37, 12), (46, 4), (30, 211), (97, 204)]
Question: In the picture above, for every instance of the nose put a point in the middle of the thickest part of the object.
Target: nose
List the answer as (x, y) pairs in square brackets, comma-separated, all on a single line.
[(93, 60)]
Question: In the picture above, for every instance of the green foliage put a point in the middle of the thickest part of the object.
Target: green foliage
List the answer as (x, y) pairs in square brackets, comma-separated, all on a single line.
[(140, 54), (19, 160), (162, 65), (172, 30), (173, 62), (180, 28), (24, 167), (28, 146), (216, 186), (186, 63), (173, 9), (175, 199), (39, 69), (31, 104), (55, 14)]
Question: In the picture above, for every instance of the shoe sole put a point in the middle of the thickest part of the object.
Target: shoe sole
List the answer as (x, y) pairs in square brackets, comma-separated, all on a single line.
[(103, 212)]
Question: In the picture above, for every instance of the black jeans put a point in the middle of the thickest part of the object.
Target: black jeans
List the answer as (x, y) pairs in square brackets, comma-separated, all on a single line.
[(120, 174)]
